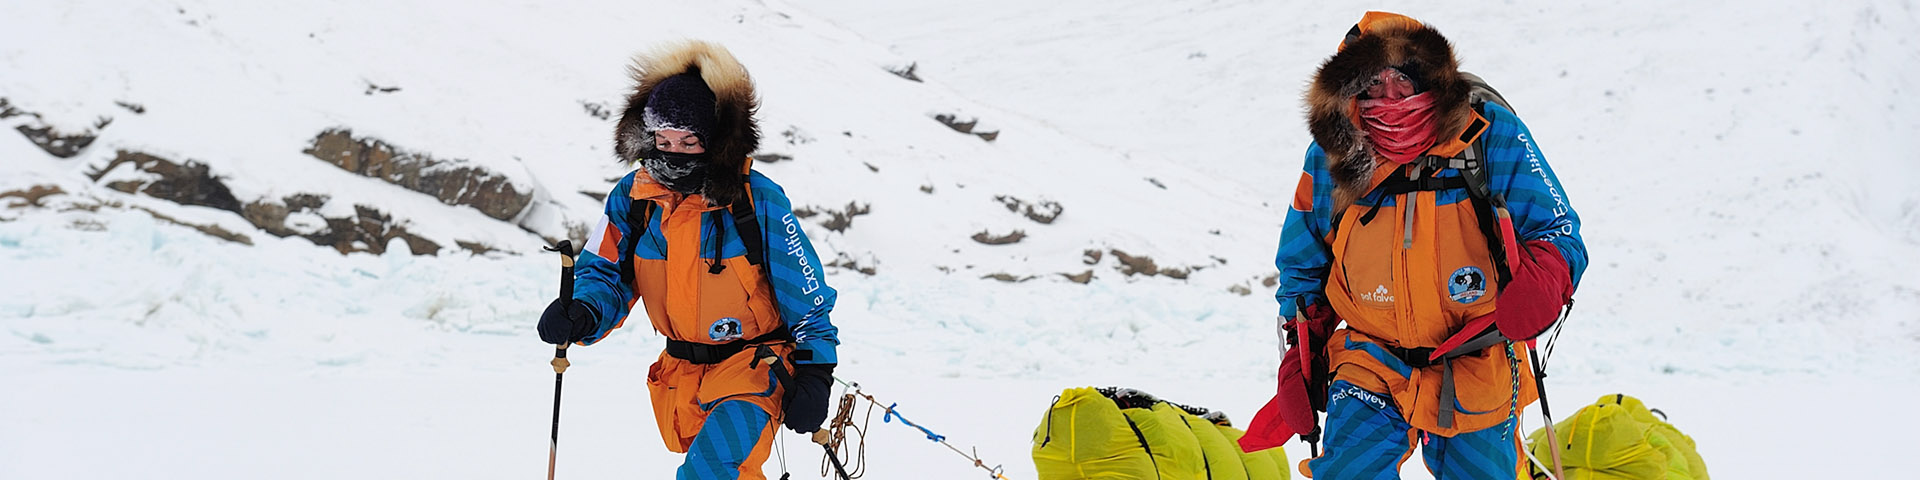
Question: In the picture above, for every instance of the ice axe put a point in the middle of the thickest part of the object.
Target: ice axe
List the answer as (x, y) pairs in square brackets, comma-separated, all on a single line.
[(565, 247)]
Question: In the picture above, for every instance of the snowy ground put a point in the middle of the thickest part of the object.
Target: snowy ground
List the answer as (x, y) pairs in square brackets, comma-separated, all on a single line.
[(1745, 172)]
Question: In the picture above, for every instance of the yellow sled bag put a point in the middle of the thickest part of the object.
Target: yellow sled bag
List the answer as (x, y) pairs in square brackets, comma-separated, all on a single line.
[(1618, 438), (1118, 433)]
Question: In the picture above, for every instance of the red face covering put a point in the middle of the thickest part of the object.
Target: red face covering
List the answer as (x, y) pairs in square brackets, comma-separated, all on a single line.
[(1399, 126)]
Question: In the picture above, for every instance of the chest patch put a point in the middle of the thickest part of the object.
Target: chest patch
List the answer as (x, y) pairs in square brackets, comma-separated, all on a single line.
[(724, 330), (1467, 285)]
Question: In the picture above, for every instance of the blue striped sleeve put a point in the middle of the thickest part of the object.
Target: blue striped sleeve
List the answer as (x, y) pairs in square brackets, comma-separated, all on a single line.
[(1304, 255), (596, 272), (799, 282), (1540, 207)]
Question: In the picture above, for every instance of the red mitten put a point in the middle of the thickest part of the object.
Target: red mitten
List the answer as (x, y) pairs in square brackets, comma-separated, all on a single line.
[(1286, 415), (1290, 412), (1541, 286)]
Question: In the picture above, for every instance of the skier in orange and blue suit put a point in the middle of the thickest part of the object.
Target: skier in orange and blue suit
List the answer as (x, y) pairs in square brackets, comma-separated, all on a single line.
[(676, 239)]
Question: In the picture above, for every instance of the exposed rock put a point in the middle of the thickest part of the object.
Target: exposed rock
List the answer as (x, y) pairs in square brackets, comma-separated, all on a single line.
[(796, 136), (1045, 213), (476, 247), (1132, 265), (1156, 183), (453, 182), (1080, 278), (55, 142), (1142, 265), (905, 71), (598, 110), (1008, 277), (848, 262), (209, 229), (136, 108), (770, 157), (191, 183), (1272, 280), (32, 196), (988, 135), (957, 123), (369, 230), (372, 89), (1240, 290), (927, 189), (991, 239), (1091, 256), (841, 219), (7, 110)]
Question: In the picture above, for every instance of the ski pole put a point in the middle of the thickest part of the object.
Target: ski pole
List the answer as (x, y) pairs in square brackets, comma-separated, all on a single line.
[(824, 439), (560, 363), (1540, 384)]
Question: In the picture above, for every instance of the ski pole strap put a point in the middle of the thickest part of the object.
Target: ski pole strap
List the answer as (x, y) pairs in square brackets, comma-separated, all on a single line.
[(893, 413), (780, 372)]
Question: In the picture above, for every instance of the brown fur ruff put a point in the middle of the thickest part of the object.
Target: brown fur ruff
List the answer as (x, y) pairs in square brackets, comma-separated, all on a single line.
[(1418, 51), (735, 134)]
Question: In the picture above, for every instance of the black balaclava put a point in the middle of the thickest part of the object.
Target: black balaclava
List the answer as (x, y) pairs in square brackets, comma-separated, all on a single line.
[(681, 102)]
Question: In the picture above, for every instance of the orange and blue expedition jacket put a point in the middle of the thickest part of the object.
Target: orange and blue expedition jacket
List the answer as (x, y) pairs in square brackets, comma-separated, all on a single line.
[(1421, 269), (682, 297)]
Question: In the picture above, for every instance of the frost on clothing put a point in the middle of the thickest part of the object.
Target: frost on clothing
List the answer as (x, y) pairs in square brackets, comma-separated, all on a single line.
[(1517, 171), (802, 299)]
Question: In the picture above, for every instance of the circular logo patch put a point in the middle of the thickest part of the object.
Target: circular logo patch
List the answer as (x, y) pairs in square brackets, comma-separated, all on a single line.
[(725, 329), (1467, 285)]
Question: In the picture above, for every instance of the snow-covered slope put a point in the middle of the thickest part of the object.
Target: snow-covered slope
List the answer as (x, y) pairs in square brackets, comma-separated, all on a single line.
[(1744, 172)]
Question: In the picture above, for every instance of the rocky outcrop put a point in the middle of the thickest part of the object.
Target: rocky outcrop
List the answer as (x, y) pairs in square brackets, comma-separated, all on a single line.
[(988, 238), (368, 230), (1043, 212), (193, 183), (1143, 265), (453, 182), (54, 141), (838, 221), (189, 183)]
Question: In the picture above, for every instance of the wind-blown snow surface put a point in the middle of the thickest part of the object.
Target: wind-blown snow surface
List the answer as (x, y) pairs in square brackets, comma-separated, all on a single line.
[(1744, 170)]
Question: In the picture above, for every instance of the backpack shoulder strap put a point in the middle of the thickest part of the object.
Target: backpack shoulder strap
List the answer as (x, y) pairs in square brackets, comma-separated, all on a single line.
[(639, 218), (1487, 205), (747, 223)]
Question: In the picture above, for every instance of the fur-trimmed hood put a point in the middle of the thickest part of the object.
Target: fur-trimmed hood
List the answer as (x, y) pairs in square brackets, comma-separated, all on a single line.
[(1379, 41), (735, 134)]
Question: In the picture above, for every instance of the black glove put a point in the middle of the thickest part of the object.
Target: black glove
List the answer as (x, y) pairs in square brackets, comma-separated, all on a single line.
[(567, 321), (807, 396)]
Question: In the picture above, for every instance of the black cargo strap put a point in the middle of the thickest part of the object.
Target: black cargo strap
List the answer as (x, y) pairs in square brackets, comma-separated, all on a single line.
[(708, 354), (1423, 357)]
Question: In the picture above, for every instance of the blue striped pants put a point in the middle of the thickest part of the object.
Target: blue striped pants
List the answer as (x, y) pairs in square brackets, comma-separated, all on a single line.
[(731, 445), (1367, 438)]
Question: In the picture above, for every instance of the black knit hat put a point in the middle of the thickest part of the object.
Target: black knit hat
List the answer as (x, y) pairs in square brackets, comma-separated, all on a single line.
[(681, 102)]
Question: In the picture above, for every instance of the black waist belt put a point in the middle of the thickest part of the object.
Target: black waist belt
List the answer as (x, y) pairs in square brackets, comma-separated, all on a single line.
[(1423, 357), (708, 354), (1414, 357)]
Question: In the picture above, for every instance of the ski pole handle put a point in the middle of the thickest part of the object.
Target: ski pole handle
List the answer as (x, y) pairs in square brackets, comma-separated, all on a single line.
[(565, 247)]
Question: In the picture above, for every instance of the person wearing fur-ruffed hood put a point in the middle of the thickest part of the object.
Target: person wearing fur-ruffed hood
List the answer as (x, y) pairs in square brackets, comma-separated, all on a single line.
[(1427, 238), (711, 251)]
